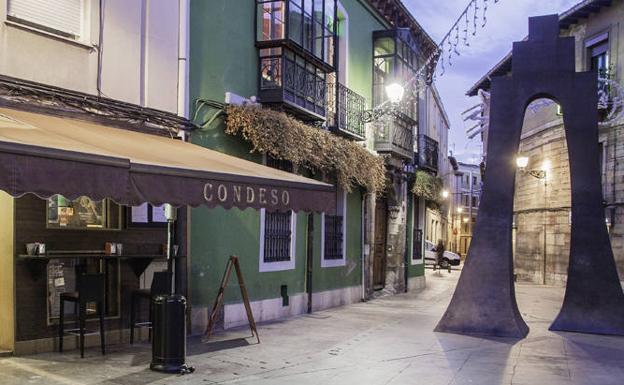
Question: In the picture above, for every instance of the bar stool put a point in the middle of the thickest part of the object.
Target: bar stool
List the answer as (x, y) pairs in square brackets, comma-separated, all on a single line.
[(89, 289), (161, 285)]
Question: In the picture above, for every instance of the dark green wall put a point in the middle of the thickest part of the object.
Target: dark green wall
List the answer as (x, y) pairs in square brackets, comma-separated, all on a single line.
[(223, 58)]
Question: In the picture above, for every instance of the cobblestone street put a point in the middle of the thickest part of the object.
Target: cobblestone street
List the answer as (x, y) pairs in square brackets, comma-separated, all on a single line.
[(384, 341)]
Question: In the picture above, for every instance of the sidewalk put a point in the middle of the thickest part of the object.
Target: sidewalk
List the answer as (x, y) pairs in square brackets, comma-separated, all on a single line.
[(385, 341)]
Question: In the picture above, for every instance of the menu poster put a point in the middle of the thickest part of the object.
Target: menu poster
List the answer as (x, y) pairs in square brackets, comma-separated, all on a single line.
[(139, 214), (158, 214), (61, 276)]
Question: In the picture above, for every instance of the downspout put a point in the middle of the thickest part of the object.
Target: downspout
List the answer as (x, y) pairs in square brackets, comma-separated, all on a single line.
[(100, 49), (407, 230), (363, 245), (183, 64)]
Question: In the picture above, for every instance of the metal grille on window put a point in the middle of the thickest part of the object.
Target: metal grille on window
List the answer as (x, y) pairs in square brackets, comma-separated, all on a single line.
[(333, 237), (277, 237)]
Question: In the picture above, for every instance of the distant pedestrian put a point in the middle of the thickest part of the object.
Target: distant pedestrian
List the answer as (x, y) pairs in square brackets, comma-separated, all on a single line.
[(439, 252)]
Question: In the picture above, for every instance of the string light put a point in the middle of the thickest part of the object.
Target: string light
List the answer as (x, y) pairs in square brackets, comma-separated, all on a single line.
[(443, 54)]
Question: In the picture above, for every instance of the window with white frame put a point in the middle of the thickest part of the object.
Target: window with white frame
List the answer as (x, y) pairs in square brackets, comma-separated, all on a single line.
[(277, 241), (65, 18), (333, 236)]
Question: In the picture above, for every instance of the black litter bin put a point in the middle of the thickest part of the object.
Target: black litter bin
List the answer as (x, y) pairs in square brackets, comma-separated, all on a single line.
[(169, 334)]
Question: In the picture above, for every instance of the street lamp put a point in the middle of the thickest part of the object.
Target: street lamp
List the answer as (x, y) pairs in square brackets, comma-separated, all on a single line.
[(445, 194), (523, 161), (395, 92), (460, 210)]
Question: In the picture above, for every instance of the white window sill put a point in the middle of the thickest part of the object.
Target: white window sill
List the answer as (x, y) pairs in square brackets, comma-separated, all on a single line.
[(416, 262), (333, 262), (64, 39), (267, 267)]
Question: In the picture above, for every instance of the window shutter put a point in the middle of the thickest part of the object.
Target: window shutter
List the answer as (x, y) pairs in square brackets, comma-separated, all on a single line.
[(63, 16)]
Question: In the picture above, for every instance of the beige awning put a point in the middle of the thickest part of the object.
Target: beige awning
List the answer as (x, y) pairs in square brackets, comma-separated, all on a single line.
[(47, 155)]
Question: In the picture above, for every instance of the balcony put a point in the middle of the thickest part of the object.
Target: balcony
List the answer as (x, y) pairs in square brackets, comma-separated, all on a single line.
[(345, 109), (427, 153), (297, 85), (395, 137)]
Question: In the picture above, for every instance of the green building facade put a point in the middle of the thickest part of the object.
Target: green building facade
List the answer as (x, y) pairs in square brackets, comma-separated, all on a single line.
[(246, 49)]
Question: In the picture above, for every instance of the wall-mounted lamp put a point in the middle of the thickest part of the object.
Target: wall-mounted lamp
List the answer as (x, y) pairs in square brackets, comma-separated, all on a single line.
[(523, 161), (395, 92)]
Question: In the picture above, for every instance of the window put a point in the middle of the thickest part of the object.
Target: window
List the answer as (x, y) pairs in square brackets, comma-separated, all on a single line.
[(333, 237), (308, 23), (82, 214), (270, 20), (474, 202), (147, 215), (417, 256), (277, 241), (598, 54), (60, 17)]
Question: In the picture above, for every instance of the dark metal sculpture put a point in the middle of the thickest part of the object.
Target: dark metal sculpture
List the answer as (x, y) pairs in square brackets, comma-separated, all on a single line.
[(484, 301)]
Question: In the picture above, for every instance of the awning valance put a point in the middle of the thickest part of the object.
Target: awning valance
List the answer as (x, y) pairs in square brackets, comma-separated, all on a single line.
[(46, 155)]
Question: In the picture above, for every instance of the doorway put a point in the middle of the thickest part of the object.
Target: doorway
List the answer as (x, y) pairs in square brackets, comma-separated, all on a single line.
[(379, 255)]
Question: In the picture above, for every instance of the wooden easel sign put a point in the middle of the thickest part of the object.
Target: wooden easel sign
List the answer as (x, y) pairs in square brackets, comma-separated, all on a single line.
[(212, 316)]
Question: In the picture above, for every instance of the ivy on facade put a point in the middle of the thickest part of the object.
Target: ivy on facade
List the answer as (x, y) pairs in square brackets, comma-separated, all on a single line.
[(284, 137), (427, 186)]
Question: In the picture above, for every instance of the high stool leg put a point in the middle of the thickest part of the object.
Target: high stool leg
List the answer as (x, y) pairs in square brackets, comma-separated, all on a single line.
[(102, 339), (149, 331), (132, 318), (81, 317), (61, 325)]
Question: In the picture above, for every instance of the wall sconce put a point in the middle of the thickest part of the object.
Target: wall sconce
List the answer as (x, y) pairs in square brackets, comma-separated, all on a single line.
[(523, 161)]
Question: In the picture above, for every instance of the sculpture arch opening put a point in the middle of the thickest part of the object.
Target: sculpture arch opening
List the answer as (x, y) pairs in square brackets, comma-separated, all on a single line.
[(484, 301), (542, 199)]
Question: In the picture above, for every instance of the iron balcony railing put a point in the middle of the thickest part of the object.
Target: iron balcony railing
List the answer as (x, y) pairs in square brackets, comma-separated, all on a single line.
[(428, 153), (345, 111), (395, 136), (289, 80)]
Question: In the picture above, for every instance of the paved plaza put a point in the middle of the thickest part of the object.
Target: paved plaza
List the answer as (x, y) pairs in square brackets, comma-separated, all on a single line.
[(384, 341)]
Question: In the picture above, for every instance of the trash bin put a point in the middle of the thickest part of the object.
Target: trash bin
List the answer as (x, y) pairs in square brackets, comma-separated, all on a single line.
[(169, 334)]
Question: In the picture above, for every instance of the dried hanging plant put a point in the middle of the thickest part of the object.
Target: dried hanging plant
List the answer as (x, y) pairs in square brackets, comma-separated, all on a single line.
[(427, 186), (284, 137)]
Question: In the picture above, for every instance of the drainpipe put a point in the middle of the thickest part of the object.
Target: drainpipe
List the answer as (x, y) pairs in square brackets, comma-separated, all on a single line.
[(183, 64), (406, 253), (363, 245)]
